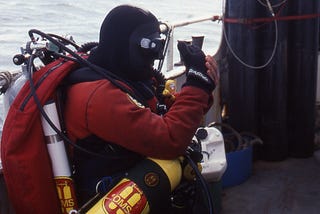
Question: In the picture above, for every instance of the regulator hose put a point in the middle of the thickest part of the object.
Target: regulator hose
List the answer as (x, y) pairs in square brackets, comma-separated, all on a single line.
[(86, 47), (203, 184)]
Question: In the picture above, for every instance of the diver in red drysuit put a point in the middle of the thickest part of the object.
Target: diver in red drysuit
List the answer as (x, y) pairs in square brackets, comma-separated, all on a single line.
[(102, 118)]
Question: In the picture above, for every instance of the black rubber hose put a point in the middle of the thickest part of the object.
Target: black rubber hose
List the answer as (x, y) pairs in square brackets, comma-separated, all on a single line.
[(203, 183)]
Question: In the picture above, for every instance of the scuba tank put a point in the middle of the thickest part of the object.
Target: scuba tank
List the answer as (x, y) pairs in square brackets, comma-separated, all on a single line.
[(140, 190), (13, 90), (59, 159)]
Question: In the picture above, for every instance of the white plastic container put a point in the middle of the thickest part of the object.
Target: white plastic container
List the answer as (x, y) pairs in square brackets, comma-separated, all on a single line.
[(214, 162)]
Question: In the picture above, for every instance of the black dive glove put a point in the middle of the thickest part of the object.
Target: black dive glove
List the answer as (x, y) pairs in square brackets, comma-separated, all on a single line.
[(194, 60)]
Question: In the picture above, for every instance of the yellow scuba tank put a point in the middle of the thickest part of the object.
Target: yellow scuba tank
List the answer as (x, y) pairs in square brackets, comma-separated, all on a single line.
[(145, 188)]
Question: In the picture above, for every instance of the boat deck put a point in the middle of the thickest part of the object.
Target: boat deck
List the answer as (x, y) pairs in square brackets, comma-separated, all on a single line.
[(291, 186)]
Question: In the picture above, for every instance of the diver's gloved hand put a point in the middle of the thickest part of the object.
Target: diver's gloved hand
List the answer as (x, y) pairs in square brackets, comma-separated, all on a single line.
[(194, 60)]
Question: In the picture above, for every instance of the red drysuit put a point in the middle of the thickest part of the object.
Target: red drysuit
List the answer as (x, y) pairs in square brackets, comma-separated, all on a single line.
[(104, 110)]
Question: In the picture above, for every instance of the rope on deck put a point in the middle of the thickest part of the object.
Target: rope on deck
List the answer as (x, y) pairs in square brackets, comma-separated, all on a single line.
[(6, 78)]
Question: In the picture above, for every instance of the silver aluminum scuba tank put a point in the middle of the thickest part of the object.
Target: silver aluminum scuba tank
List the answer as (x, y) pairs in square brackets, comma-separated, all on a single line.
[(13, 90)]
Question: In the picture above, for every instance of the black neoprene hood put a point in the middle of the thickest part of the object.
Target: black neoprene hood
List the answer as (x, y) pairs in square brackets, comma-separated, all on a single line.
[(119, 48)]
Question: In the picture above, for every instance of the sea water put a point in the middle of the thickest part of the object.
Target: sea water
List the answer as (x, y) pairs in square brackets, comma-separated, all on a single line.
[(82, 19)]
